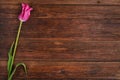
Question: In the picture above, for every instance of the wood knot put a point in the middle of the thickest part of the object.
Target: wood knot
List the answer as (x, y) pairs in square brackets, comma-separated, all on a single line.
[(62, 71), (98, 2)]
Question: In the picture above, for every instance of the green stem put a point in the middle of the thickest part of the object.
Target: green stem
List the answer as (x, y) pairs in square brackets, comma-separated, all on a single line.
[(16, 41), (15, 46)]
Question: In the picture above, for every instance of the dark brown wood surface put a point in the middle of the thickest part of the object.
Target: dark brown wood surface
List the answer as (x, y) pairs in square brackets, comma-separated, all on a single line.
[(63, 39)]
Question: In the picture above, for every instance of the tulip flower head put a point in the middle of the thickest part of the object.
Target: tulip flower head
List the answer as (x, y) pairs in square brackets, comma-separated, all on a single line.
[(25, 14)]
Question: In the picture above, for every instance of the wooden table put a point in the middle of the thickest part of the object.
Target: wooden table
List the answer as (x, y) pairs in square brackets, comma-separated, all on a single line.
[(63, 39)]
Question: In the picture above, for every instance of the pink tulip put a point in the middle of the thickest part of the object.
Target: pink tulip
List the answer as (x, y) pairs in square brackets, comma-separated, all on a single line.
[(25, 14)]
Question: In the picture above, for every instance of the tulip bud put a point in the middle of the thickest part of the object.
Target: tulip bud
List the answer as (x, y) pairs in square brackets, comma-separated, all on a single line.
[(25, 14)]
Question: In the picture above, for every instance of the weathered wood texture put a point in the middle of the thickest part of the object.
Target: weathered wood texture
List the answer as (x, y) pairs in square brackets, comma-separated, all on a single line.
[(64, 39)]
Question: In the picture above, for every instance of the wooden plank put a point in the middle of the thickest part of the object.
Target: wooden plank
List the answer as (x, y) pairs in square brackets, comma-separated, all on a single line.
[(64, 50), (82, 29), (63, 11), (61, 79), (103, 2), (72, 70)]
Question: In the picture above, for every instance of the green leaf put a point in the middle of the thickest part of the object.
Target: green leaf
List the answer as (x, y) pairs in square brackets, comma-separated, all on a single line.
[(10, 57), (19, 64)]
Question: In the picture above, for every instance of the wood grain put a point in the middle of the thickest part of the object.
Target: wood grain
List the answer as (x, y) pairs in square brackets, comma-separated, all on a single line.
[(89, 12), (64, 70), (59, 28), (65, 50), (88, 2)]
